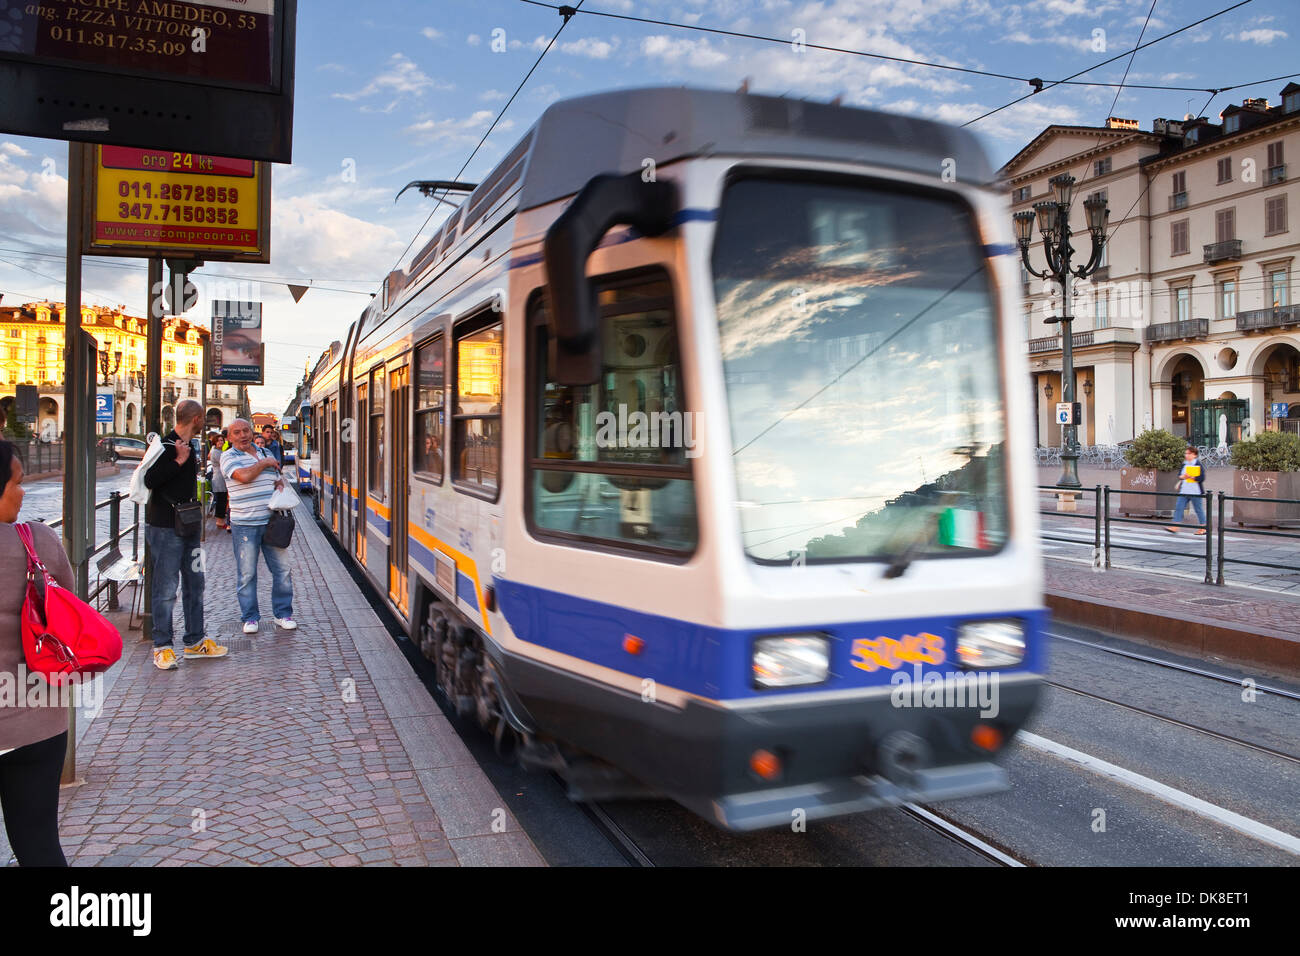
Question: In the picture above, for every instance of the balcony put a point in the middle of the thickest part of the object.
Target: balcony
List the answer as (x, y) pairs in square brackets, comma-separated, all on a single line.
[(1172, 331), (1222, 251), (1275, 174), (1052, 343), (1178, 201), (1274, 318)]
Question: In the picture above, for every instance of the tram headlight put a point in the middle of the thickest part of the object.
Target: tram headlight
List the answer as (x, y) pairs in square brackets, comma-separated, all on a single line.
[(986, 645), (791, 660)]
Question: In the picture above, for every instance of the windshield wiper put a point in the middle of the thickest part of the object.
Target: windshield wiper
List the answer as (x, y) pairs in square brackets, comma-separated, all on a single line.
[(900, 562)]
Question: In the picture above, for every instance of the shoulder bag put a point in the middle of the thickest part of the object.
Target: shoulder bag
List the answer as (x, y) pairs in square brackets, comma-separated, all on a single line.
[(62, 634)]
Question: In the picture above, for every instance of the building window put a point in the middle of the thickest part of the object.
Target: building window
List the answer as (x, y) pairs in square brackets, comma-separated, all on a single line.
[(1231, 124), (1291, 102), (1101, 309), (1180, 182), (430, 420), (1179, 244), (169, 367), (1275, 215), (15, 333), (192, 368), (194, 390), (1276, 170), (1278, 286), (1225, 169), (1225, 225), (1227, 299), (476, 435), (1182, 304), (1021, 194), (1101, 167)]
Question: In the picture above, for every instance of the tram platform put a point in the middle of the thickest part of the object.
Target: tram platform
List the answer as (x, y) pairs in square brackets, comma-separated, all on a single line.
[(1245, 626), (313, 747)]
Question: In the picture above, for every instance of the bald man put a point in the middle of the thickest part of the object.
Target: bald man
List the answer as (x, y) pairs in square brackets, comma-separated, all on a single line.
[(172, 480)]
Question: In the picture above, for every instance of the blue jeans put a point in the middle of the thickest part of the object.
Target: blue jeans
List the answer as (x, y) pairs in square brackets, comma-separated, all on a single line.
[(248, 542), (172, 555), (1181, 507)]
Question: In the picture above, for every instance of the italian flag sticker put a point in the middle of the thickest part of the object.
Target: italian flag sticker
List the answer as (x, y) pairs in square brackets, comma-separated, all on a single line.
[(962, 528)]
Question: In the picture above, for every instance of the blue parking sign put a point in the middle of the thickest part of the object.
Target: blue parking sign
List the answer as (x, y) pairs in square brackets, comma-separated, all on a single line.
[(104, 409), (1280, 409)]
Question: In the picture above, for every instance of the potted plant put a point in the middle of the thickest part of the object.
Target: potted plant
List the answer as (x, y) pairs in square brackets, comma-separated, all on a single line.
[(1267, 466), (1154, 460)]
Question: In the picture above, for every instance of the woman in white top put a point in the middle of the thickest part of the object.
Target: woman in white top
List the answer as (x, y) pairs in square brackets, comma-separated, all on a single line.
[(219, 499)]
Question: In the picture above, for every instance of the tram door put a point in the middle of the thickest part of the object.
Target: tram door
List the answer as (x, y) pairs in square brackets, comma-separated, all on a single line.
[(399, 397), (345, 470), (334, 455), (359, 444)]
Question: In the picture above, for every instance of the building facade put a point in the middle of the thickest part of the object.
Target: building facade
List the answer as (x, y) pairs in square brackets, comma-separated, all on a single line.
[(1191, 323), (31, 353)]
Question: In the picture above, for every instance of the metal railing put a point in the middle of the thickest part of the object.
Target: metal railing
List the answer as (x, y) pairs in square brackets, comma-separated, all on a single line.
[(1186, 329), (1051, 343), (1216, 554), (1224, 497), (40, 456), (116, 533), (1272, 318), (1222, 251)]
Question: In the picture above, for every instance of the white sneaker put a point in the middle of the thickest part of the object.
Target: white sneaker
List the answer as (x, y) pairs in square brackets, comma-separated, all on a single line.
[(250, 627), (288, 623)]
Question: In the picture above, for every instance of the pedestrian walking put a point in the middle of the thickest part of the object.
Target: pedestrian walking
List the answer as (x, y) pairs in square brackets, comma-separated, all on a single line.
[(173, 533), (272, 444), (219, 495), (252, 476), (1191, 487), (33, 737)]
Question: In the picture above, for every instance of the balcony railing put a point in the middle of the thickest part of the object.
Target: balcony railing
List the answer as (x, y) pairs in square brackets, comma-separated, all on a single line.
[(1275, 174), (1052, 343), (1223, 251), (1268, 318), (1170, 331), (1178, 201)]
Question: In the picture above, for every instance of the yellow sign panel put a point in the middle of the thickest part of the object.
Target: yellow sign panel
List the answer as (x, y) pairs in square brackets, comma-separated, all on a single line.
[(155, 202)]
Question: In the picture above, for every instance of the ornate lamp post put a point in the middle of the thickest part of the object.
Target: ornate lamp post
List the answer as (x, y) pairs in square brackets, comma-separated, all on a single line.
[(1053, 217)]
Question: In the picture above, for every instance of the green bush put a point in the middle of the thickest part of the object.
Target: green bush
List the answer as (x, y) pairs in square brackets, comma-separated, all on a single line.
[(1268, 451), (1158, 449), (14, 429)]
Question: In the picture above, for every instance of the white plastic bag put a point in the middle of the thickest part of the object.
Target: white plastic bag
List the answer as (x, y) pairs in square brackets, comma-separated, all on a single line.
[(283, 499), (139, 493)]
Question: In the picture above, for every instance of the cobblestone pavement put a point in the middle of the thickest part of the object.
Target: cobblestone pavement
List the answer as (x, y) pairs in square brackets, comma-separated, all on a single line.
[(318, 746), (1233, 606)]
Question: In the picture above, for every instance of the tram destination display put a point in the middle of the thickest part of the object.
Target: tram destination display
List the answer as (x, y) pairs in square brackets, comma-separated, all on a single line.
[(159, 202), (237, 348), (198, 75)]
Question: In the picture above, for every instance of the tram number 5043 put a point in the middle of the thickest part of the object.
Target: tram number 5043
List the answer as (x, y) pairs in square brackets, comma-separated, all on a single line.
[(892, 654)]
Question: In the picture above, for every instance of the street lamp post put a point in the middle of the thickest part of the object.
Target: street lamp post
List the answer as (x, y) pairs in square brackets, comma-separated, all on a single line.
[(1053, 217)]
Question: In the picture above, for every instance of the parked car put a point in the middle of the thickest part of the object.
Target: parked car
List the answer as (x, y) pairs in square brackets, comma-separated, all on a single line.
[(114, 449)]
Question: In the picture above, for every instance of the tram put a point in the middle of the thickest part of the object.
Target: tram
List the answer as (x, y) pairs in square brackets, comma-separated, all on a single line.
[(686, 449)]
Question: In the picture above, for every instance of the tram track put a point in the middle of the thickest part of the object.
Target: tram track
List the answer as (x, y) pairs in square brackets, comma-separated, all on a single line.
[(959, 835)]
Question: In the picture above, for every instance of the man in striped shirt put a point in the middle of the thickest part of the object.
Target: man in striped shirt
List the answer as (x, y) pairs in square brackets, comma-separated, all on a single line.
[(252, 476)]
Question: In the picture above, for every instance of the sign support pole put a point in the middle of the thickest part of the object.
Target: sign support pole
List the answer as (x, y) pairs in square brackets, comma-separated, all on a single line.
[(152, 416)]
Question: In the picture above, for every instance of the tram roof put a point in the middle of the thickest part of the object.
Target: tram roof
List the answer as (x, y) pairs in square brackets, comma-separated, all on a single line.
[(579, 138)]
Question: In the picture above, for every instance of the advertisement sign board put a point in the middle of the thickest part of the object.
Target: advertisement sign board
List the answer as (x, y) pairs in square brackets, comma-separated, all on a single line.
[(237, 348)]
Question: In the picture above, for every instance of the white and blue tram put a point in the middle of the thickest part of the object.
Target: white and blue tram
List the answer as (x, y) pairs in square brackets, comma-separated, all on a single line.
[(686, 449)]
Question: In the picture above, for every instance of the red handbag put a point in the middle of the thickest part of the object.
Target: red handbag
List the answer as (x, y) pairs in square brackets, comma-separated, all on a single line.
[(62, 634)]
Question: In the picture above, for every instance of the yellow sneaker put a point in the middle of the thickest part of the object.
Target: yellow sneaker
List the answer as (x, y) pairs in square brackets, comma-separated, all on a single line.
[(206, 648), (164, 658)]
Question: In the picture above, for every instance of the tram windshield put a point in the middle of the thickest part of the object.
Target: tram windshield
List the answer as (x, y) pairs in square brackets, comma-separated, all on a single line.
[(860, 349)]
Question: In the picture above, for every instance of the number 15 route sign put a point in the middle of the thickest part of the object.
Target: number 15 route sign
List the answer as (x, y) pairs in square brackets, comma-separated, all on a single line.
[(158, 202)]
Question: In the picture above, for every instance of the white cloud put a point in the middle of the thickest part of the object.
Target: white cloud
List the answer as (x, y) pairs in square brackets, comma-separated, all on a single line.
[(1263, 37), (455, 132), (402, 78), (592, 47), (431, 33), (473, 39), (489, 95), (697, 54)]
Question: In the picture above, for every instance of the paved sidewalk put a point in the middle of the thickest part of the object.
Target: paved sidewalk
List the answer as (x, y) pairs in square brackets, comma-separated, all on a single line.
[(1243, 625), (314, 747)]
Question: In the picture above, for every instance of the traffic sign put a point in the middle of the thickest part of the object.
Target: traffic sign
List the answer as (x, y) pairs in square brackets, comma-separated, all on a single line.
[(1069, 413), (1280, 409), (104, 408)]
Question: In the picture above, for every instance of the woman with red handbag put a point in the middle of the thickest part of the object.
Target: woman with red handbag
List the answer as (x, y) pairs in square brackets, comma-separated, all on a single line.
[(32, 739)]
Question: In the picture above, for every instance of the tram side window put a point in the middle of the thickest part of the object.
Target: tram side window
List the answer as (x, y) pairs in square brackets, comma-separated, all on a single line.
[(325, 446), (610, 462), (476, 421), (429, 433), (345, 438), (376, 437)]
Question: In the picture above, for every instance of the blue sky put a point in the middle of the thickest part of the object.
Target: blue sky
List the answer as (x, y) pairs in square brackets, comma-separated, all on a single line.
[(391, 91)]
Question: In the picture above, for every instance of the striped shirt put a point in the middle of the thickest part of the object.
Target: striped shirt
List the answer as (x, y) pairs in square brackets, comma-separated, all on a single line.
[(249, 502)]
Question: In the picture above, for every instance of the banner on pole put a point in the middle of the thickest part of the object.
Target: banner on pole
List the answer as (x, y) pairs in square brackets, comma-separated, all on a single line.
[(238, 353)]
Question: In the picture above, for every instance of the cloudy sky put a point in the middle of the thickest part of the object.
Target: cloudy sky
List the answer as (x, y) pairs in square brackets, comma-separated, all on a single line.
[(391, 91)]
